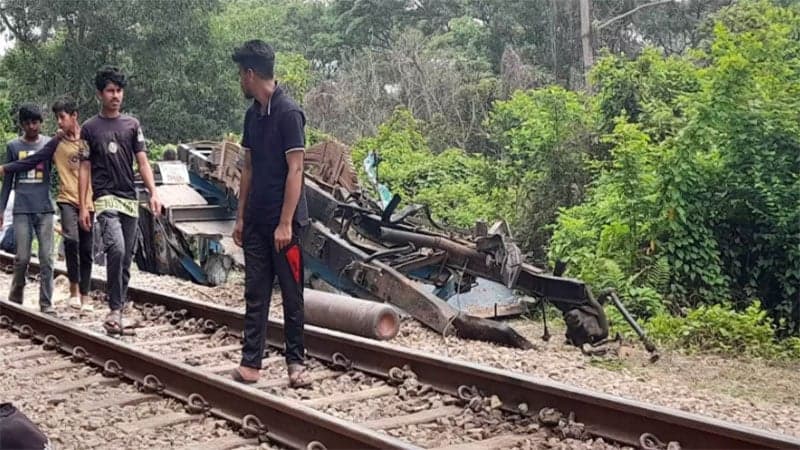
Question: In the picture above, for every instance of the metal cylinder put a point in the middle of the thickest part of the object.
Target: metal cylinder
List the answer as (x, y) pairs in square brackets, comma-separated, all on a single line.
[(351, 315), (426, 240)]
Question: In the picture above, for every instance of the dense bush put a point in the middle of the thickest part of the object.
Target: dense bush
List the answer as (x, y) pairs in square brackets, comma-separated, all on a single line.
[(700, 186), (544, 138), (459, 187), (722, 330)]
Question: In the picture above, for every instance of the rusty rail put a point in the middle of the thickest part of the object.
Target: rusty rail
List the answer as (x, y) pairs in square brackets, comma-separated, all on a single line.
[(268, 416), (610, 417)]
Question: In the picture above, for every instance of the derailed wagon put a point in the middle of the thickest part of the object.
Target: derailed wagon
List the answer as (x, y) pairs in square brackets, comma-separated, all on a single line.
[(358, 246)]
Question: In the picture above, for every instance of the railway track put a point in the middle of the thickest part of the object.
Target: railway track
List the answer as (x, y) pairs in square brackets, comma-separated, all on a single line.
[(83, 408), (366, 394)]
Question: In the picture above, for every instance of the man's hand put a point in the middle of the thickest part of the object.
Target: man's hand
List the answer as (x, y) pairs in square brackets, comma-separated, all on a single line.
[(2, 171), (155, 205), (237, 232), (283, 236), (85, 219)]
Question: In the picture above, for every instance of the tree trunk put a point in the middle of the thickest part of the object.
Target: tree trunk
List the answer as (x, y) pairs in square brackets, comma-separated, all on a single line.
[(586, 38)]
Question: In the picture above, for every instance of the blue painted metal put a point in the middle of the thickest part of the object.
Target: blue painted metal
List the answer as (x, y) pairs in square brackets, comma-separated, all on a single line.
[(197, 273), (316, 266), (213, 194), (485, 293)]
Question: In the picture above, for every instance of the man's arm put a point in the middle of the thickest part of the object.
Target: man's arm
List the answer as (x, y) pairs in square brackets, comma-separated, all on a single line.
[(244, 191), (149, 182), (140, 149), (293, 141), (30, 162), (84, 178), (294, 184), (291, 196), (8, 183)]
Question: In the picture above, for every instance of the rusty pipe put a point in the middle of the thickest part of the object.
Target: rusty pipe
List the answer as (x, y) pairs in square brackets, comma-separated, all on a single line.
[(426, 240), (612, 294), (351, 315)]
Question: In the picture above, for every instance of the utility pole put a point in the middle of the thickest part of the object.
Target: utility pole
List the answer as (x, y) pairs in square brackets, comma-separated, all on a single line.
[(586, 38), (553, 37)]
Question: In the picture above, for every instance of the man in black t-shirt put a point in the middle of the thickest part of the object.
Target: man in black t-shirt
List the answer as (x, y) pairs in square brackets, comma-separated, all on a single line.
[(272, 207), (114, 140)]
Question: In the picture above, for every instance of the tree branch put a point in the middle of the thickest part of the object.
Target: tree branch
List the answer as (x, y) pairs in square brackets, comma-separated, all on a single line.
[(14, 31), (633, 11)]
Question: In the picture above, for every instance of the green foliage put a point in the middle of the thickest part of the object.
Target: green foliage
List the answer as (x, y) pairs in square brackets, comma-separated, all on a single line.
[(64, 43), (314, 136), (189, 91), (371, 23), (243, 20), (613, 364), (467, 40), (644, 90), (699, 199), (608, 240), (459, 187), (7, 126), (722, 330), (155, 152), (543, 136), (400, 141), (294, 72), (732, 192)]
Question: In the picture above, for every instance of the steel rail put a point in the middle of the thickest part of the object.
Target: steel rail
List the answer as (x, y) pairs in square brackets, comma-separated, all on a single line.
[(610, 417), (281, 420)]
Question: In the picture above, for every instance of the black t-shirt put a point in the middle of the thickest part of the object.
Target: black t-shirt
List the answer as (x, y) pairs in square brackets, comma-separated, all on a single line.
[(269, 137), (112, 145)]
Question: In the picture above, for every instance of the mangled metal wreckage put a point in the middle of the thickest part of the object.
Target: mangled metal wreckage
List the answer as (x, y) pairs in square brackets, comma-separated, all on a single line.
[(358, 246)]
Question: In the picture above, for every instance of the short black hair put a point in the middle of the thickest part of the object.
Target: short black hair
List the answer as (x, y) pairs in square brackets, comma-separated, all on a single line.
[(66, 105), (29, 112), (109, 74), (256, 55)]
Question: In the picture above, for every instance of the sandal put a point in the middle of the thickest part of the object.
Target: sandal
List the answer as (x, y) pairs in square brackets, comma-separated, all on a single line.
[(237, 376), (113, 323), (297, 376)]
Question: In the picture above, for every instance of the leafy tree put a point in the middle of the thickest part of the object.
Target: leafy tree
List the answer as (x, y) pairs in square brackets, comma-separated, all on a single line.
[(542, 136), (645, 90), (460, 188), (710, 195), (65, 42), (677, 27), (7, 122), (449, 92), (746, 140), (373, 23), (610, 240)]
